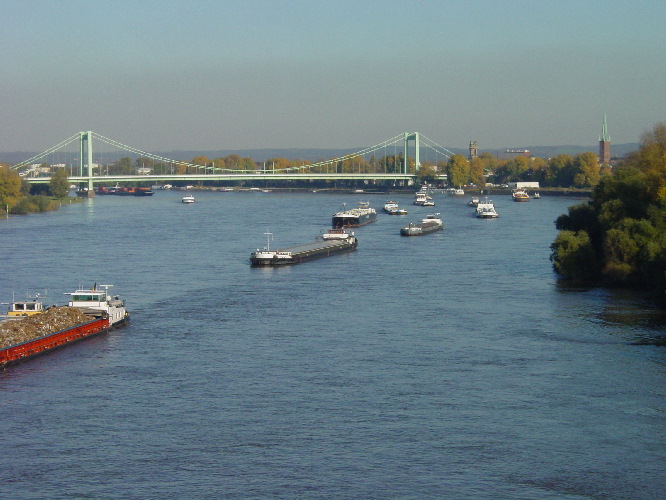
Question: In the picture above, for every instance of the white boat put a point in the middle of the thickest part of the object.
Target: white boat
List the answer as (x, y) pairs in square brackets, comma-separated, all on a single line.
[(486, 210), (188, 199), (536, 196), (457, 192), (392, 208), (98, 302), (423, 200), (520, 195), (474, 201)]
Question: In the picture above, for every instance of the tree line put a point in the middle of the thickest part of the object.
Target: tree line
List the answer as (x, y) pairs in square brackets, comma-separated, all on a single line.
[(564, 171), (618, 238), (16, 197)]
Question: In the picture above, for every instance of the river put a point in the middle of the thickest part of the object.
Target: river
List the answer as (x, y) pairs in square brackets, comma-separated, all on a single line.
[(452, 365)]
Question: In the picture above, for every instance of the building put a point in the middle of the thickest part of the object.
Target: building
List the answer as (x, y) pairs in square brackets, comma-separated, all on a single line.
[(604, 144), (473, 150), (523, 185)]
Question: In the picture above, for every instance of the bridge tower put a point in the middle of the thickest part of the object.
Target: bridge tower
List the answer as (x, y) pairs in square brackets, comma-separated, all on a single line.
[(86, 137), (414, 136)]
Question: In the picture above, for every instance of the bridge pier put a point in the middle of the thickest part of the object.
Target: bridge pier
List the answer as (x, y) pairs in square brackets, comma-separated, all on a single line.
[(414, 136)]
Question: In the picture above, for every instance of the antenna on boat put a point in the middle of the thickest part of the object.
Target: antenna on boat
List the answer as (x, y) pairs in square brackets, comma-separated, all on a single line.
[(269, 237)]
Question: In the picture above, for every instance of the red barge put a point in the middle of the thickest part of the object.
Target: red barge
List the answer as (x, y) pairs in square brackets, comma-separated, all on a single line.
[(21, 352), (105, 313)]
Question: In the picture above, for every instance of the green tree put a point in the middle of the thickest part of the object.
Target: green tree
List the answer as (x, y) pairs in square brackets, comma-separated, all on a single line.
[(427, 174), (573, 256), (59, 184), (457, 170), (10, 187), (476, 172), (586, 166), (562, 170), (620, 235)]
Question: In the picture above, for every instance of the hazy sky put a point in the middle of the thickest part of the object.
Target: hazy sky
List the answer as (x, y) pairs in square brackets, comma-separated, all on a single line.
[(204, 74)]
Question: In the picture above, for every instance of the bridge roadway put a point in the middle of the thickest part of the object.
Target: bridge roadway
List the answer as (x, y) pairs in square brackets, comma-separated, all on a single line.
[(112, 179)]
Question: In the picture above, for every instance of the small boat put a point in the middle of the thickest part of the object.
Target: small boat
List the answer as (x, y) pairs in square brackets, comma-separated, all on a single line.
[(430, 224), (456, 191), (520, 195), (474, 201), (188, 199), (392, 208), (486, 210), (536, 196), (423, 200)]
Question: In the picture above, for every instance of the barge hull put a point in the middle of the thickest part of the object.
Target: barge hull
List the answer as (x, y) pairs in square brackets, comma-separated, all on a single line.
[(26, 350)]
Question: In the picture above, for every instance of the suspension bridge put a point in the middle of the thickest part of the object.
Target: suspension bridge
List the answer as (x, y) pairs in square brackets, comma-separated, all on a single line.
[(86, 172)]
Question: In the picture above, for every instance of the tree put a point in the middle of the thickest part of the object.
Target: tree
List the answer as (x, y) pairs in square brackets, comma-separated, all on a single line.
[(561, 167), (476, 172), (10, 187), (573, 256), (586, 166), (620, 235), (59, 184), (457, 170), (427, 175)]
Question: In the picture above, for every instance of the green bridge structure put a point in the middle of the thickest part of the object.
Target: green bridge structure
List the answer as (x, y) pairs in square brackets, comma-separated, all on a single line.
[(87, 176)]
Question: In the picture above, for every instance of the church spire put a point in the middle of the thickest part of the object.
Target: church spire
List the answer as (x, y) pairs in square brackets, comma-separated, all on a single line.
[(604, 144), (605, 136)]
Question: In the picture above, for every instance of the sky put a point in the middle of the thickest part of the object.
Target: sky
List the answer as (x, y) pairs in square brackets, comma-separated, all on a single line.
[(213, 75)]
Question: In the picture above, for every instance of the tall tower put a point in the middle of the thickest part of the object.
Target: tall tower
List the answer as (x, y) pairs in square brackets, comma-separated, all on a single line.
[(604, 144), (473, 150)]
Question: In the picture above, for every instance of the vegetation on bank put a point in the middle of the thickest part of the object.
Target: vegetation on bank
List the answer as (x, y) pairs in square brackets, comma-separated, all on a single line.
[(15, 197), (618, 238)]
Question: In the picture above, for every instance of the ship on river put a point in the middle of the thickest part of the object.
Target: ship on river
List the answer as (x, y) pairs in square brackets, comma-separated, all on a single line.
[(430, 224), (355, 217), (332, 242), (89, 313)]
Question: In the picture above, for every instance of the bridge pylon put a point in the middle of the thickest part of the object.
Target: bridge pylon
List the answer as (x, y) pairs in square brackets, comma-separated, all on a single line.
[(411, 136), (86, 137)]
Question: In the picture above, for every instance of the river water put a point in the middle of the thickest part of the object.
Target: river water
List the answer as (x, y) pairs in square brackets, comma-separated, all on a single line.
[(452, 365)]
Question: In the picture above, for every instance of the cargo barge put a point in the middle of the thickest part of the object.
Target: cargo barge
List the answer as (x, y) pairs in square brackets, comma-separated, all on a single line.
[(124, 191), (430, 224), (102, 311), (333, 242), (355, 217)]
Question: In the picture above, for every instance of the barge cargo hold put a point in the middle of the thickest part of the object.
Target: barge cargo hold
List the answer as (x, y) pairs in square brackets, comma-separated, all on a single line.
[(18, 353), (333, 242), (355, 217)]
